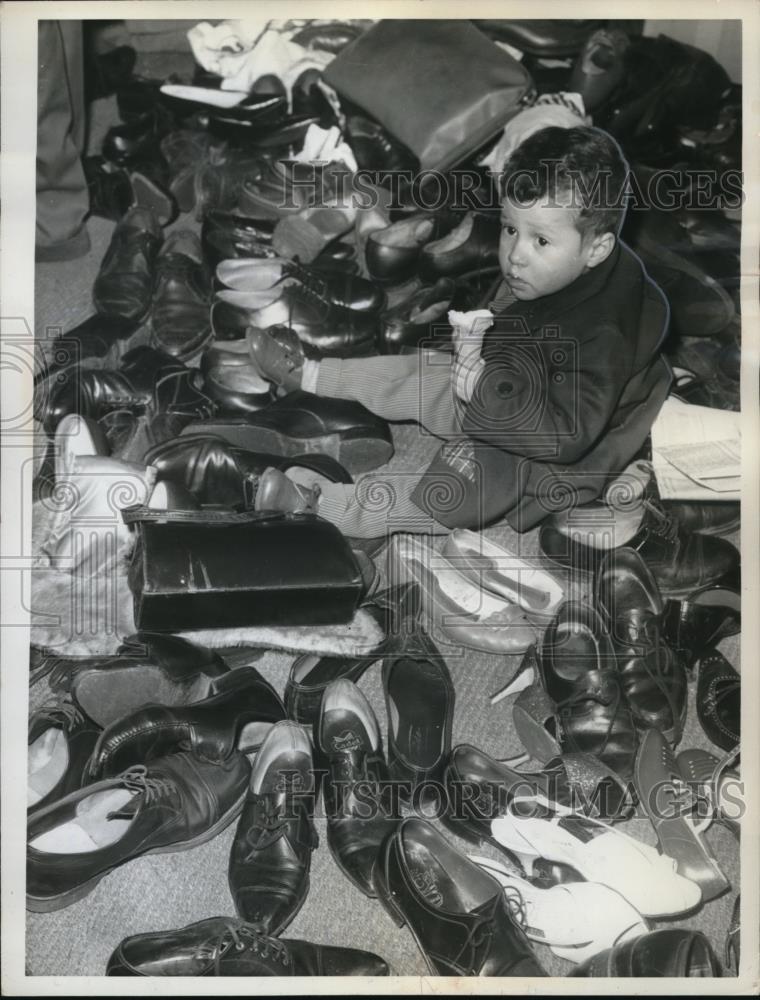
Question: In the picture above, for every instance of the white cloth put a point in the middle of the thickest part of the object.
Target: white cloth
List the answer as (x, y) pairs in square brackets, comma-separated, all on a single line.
[(562, 109), (468, 331)]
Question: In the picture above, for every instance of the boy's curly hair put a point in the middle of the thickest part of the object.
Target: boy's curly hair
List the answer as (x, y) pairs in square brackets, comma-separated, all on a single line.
[(584, 163)]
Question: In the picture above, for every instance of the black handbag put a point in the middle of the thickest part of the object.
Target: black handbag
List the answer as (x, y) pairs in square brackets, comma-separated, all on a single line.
[(214, 569), (440, 87)]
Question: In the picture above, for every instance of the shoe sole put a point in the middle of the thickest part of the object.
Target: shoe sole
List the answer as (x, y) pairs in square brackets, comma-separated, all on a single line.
[(357, 454), (49, 904)]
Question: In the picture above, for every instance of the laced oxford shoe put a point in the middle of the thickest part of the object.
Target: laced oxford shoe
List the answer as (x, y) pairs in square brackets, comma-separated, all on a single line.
[(679, 561), (124, 283), (652, 674), (61, 740), (579, 672), (301, 422), (670, 952), (239, 714), (173, 804), (223, 946), (271, 853), (355, 800), (719, 700), (149, 668), (181, 297), (458, 914)]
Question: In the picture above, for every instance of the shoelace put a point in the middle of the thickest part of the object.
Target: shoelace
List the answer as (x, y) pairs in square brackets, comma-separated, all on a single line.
[(516, 903), (270, 819), (58, 709), (648, 639), (245, 937), (136, 779), (663, 525), (565, 706), (479, 933)]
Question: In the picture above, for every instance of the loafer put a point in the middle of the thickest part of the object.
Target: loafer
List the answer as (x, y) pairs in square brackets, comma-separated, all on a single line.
[(216, 473), (175, 803), (719, 700), (680, 561), (479, 789), (652, 674), (419, 701), (301, 422), (660, 788), (223, 946), (580, 675), (238, 715), (461, 612), (61, 740), (124, 283), (148, 382), (181, 297), (701, 620), (670, 952), (393, 254), (311, 674), (420, 321), (458, 914), (355, 787), (149, 668), (472, 246), (271, 851)]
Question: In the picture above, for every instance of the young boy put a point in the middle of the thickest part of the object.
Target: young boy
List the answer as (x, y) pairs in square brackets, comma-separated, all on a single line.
[(567, 382)]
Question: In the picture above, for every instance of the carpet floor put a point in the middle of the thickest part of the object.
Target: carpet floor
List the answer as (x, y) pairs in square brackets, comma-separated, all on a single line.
[(172, 890)]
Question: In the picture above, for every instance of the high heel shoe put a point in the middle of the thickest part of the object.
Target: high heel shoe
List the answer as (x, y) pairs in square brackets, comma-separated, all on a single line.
[(718, 785), (576, 920), (660, 787), (600, 853)]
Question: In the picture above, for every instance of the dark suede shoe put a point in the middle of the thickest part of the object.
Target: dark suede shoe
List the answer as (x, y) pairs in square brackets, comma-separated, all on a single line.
[(149, 668), (175, 803), (301, 422), (224, 946), (238, 715), (271, 853), (671, 952), (680, 561), (124, 284), (458, 914), (181, 297), (580, 675), (652, 674), (356, 802), (719, 694), (61, 740)]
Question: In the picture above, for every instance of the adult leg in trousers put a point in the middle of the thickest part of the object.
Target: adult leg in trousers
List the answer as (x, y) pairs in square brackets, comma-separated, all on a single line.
[(62, 197)]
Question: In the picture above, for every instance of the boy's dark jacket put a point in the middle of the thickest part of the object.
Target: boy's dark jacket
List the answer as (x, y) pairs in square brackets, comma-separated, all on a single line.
[(572, 384)]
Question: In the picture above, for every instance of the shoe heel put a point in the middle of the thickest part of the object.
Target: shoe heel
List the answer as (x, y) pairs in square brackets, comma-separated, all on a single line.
[(386, 899), (524, 677), (532, 710)]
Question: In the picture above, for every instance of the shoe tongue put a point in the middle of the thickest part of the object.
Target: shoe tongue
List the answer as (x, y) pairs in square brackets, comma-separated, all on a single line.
[(129, 810)]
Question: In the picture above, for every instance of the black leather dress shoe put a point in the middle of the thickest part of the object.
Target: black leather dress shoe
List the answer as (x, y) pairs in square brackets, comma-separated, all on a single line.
[(148, 381), (719, 689), (671, 952), (680, 561), (124, 284), (458, 914), (421, 321), (419, 701), (61, 740), (137, 140), (393, 253), (706, 518), (652, 674), (580, 675), (238, 715), (355, 788), (223, 946), (229, 376), (301, 422), (109, 188), (216, 473), (181, 297), (701, 620), (175, 803), (472, 246), (271, 853), (479, 788)]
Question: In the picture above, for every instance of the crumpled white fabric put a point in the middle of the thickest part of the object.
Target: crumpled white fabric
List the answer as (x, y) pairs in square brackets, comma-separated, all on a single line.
[(468, 330), (322, 145), (245, 50), (541, 115)]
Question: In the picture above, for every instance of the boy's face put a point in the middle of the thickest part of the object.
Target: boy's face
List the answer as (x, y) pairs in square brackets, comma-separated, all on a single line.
[(541, 249)]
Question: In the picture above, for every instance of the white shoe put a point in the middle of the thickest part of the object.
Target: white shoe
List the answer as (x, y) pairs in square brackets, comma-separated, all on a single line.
[(600, 853), (576, 920)]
